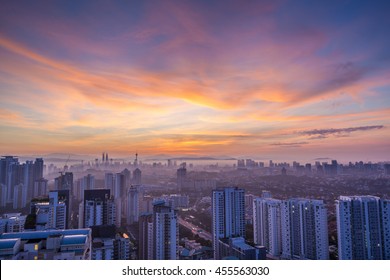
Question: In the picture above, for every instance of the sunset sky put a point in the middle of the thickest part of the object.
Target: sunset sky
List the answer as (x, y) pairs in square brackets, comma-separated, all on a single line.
[(267, 79)]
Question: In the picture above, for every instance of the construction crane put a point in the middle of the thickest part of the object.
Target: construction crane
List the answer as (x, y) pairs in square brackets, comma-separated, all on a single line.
[(63, 170)]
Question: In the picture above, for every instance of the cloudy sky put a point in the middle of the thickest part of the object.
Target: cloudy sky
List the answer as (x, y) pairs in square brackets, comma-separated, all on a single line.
[(266, 79)]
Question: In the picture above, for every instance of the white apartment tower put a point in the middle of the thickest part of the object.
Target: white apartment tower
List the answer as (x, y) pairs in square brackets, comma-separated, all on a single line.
[(228, 206), (50, 212), (267, 224), (304, 229), (363, 227), (165, 232)]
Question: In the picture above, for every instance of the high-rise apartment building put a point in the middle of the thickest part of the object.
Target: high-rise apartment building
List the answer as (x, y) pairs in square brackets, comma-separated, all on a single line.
[(181, 177), (50, 212), (267, 224), (10, 174), (20, 196), (40, 188), (363, 227), (109, 181), (137, 177), (98, 208), (64, 182), (165, 232), (304, 229), (132, 205), (145, 246), (228, 216)]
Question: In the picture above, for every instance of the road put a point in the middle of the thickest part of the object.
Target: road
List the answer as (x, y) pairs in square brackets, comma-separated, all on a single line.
[(196, 230)]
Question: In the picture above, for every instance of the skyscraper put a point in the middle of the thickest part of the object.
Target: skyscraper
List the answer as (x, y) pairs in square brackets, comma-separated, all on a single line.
[(120, 185), (137, 177), (363, 227), (97, 208), (165, 232), (64, 182), (40, 187), (145, 246), (20, 196), (8, 174), (228, 207), (132, 205), (267, 224), (50, 212), (304, 229), (109, 182), (181, 175)]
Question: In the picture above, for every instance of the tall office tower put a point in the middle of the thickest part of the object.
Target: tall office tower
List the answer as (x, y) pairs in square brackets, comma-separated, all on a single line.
[(137, 177), (8, 176), (3, 195), (109, 182), (304, 229), (40, 187), (267, 224), (363, 228), (98, 208), (165, 232), (132, 205), (228, 207), (50, 212), (145, 246), (181, 177), (64, 182), (20, 196)]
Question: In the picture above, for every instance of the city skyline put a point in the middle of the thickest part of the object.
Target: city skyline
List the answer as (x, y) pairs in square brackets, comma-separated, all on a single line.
[(274, 79)]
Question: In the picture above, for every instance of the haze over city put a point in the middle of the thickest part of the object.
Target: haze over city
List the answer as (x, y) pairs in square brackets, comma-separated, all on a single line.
[(195, 130), (271, 79)]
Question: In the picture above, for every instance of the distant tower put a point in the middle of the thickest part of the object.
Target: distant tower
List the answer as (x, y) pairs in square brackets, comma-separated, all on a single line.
[(181, 175), (136, 160), (50, 212), (106, 157), (137, 175), (103, 157), (145, 248), (132, 205)]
